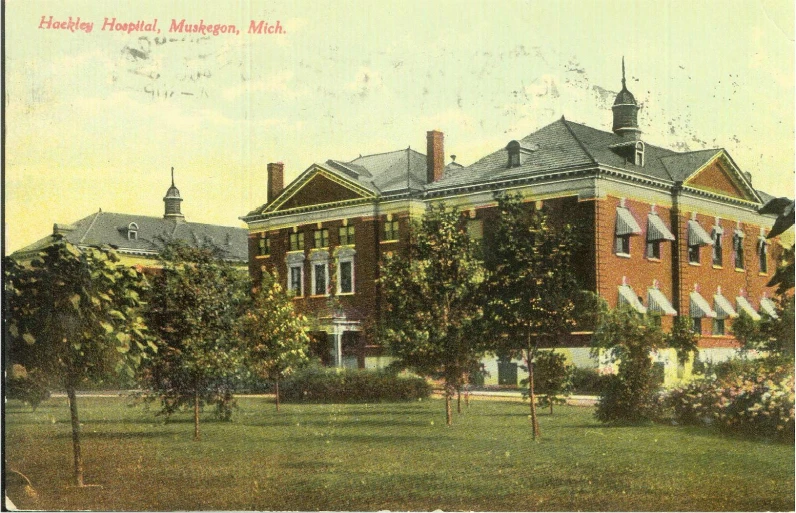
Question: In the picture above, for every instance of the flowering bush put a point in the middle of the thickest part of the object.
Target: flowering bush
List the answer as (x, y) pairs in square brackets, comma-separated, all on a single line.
[(758, 401)]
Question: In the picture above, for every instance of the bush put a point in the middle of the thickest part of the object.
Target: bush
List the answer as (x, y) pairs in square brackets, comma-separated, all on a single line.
[(754, 398), (27, 386), (587, 381), (329, 385)]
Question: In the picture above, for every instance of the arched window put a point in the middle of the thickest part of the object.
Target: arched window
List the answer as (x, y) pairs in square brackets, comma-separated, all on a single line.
[(132, 231), (639, 158)]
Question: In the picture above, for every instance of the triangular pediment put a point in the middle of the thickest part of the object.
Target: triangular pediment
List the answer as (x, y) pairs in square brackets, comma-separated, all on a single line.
[(318, 186), (720, 175)]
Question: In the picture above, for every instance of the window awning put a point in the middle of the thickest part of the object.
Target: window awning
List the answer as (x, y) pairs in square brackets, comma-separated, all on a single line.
[(656, 230), (744, 306), (723, 307), (658, 303), (700, 307), (768, 307), (627, 296), (626, 224), (739, 233), (718, 229), (697, 236)]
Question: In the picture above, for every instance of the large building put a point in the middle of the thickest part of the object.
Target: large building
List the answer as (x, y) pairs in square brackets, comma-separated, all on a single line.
[(665, 232), (138, 238)]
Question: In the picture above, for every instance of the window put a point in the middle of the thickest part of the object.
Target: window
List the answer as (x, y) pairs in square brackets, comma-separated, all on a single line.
[(737, 246), (320, 279), (475, 230), (696, 327), (639, 154), (132, 231), (296, 277), (718, 257), (693, 254), (391, 230), (346, 235), (322, 238), (654, 249), (762, 255), (623, 244), (514, 154), (296, 242), (264, 246), (718, 326), (697, 237), (345, 273)]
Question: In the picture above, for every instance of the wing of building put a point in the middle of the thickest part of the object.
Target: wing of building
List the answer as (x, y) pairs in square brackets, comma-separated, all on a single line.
[(665, 232), (138, 238)]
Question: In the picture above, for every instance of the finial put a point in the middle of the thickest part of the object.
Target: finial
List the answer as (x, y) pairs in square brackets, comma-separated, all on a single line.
[(172, 176), (623, 71)]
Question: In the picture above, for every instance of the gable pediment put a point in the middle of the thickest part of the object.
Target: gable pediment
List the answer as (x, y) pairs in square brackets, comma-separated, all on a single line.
[(720, 175), (317, 186)]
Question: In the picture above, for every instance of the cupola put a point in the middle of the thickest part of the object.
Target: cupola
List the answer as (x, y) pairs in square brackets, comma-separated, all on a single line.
[(172, 201), (626, 112)]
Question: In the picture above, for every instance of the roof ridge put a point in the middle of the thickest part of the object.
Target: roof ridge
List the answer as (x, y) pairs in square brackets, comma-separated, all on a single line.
[(91, 225), (577, 140)]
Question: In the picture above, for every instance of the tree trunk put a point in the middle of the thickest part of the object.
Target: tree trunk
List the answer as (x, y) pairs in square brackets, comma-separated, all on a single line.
[(458, 400), (530, 354), (70, 392), (277, 394), (448, 413), (196, 414)]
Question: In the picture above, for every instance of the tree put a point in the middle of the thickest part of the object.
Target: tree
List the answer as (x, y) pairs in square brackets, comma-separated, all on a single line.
[(276, 337), (682, 338), (430, 301), (629, 396), (774, 335), (193, 309), (532, 289), (553, 376), (786, 215), (73, 315)]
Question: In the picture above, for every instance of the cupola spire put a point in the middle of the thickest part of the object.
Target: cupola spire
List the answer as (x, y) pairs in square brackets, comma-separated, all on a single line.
[(172, 201), (626, 112)]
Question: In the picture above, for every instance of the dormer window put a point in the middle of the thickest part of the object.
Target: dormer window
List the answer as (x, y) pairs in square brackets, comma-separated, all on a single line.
[(132, 231), (514, 154), (639, 154)]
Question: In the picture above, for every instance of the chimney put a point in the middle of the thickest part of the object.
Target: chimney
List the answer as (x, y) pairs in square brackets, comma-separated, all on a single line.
[(276, 180), (435, 156)]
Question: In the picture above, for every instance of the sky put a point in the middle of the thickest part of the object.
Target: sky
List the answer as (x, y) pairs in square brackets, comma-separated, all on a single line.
[(97, 119)]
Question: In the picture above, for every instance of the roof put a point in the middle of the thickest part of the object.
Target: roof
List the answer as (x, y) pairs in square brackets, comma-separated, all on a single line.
[(109, 228), (392, 171), (624, 97)]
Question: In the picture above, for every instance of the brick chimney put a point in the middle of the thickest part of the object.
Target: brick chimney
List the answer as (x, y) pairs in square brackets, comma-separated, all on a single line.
[(435, 156), (276, 180)]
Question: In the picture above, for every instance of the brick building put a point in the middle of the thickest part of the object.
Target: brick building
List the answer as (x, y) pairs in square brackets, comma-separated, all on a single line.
[(666, 232)]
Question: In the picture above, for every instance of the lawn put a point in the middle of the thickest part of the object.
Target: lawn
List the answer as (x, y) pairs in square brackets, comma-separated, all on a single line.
[(386, 456)]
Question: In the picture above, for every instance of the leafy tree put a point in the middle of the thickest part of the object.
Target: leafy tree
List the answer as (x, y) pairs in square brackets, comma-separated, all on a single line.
[(532, 289), (682, 338), (275, 335), (193, 309), (553, 378), (771, 334), (73, 315), (629, 396), (430, 301), (784, 209)]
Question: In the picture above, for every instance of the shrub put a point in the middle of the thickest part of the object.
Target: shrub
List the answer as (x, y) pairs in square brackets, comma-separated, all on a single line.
[(329, 385), (749, 397), (27, 386), (587, 381)]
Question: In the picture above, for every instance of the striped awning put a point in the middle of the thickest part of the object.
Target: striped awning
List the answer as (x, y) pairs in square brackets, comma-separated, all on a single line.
[(626, 224), (627, 296), (768, 307), (658, 303), (718, 229), (697, 236), (700, 307), (656, 230), (739, 233), (744, 306), (723, 307)]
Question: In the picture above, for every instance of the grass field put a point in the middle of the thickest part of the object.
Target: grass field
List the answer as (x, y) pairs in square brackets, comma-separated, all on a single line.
[(386, 456)]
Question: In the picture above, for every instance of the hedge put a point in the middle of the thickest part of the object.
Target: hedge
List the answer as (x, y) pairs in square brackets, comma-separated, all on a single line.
[(329, 385)]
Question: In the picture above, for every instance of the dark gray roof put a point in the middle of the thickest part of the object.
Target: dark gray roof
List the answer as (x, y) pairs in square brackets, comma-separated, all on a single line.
[(109, 228), (394, 170), (681, 165)]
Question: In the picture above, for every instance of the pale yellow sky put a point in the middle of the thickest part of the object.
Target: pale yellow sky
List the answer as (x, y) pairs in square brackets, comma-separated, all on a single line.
[(96, 120)]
